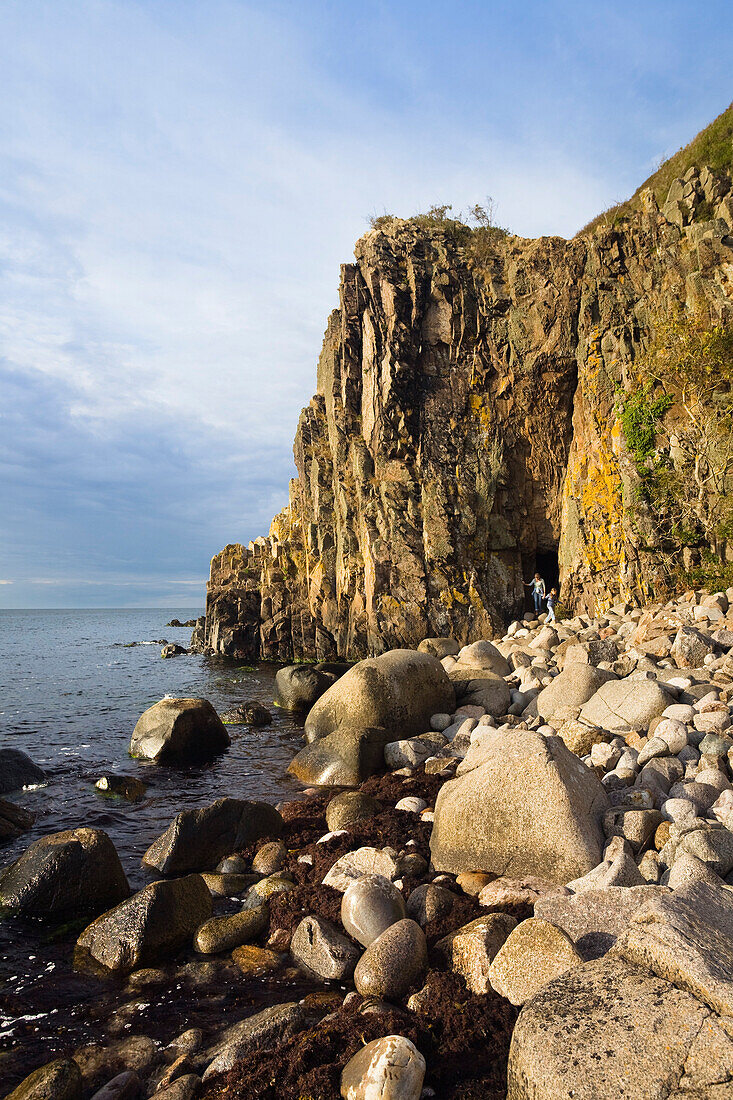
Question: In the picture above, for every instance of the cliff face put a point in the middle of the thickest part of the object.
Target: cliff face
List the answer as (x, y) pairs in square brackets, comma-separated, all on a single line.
[(465, 428)]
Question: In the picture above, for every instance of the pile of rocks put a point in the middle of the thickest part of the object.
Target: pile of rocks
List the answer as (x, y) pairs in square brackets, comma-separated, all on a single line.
[(543, 832)]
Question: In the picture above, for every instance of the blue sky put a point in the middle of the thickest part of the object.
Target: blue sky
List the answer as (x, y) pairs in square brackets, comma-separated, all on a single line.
[(179, 182)]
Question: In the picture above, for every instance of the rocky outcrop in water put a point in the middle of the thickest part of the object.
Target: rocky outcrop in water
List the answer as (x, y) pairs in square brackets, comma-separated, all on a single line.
[(466, 431)]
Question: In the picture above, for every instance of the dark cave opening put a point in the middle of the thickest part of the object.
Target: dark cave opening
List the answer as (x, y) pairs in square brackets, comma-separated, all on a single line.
[(545, 563)]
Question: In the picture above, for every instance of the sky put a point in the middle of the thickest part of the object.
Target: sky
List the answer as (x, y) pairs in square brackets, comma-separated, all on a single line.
[(180, 181)]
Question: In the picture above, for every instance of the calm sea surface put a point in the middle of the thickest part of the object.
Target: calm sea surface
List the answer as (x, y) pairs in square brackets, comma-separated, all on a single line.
[(72, 686)]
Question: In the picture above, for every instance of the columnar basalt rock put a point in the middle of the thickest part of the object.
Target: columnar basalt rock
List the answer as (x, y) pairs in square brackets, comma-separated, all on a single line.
[(466, 421)]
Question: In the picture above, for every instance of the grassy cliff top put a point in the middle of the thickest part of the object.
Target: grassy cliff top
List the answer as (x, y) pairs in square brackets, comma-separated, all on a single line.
[(713, 147)]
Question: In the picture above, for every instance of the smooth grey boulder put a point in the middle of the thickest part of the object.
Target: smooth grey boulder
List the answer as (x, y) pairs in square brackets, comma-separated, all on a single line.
[(626, 704), (152, 925), (398, 691), (196, 840), (391, 1068), (321, 949), (606, 1030), (258, 1032), (429, 902), (393, 963), (485, 656), (572, 688), (481, 688), (530, 808), (348, 807), (344, 758), (439, 647), (178, 732), (65, 874), (58, 1080), (369, 907), (17, 770), (298, 687)]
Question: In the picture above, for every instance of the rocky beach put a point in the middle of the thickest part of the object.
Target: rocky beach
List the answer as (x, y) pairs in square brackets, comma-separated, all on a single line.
[(507, 874)]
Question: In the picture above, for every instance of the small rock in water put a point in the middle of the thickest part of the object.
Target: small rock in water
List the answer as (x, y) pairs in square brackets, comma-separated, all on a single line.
[(256, 961), (122, 786), (391, 1068)]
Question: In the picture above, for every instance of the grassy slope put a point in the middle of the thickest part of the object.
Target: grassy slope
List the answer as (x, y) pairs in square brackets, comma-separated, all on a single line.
[(713, 147)]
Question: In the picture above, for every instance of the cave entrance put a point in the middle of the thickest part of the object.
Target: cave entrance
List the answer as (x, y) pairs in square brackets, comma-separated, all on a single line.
[(546, 564)]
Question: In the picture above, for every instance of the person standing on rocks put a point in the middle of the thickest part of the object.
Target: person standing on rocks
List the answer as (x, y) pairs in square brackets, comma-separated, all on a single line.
[(551, 601), (538, 591)]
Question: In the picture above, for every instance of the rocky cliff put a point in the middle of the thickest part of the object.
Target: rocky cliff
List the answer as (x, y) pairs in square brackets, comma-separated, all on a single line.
[(466, 428)]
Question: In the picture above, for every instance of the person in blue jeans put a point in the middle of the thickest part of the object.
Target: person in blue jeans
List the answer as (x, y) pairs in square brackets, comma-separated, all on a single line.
[(538, 591), (551, 601)]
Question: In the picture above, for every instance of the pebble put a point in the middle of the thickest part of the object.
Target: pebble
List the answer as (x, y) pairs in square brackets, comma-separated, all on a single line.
[(411, 804)]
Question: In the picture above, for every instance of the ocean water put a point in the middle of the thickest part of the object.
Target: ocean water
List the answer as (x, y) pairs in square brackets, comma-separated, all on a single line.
[(72, 685)]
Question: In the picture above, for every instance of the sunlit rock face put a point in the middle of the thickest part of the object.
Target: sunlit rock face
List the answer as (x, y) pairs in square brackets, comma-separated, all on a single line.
[(465, 431)]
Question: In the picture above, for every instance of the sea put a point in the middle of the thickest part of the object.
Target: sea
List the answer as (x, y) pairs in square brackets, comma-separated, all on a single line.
[(73, 683)]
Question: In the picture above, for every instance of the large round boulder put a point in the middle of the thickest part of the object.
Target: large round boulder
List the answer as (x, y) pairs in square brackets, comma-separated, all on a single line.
[(481, 688), (398, 692), (150, 926), (572, 688), (179, 731), (298, 687), (626, 704), (344, 758), (485, 656), (196, 840), (63, 875), (17, 770), (530, 807), (58, 1080)]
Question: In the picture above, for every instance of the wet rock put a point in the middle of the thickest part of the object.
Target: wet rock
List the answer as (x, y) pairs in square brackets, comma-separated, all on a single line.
[(122, 786), (349, 807), (58, 1080), (393, 963), (17, 770), (196, 840), (65, 874), (221, 934), (172, 650), (256, 962), (343, 758), (321, 949), (429, 902), (267, 888), (14, 821), (270, 858), (398, 692), (649, 1033), (100, 1063), (125, 1086), (179, 731), (153, 924), (471, 950), (363, 861), (535, 953), (255, 714), (299, 687), (232, 865), (369, 906), (228, 885), (391, 1068), (531, 807), (258, 1032), (183, 1088)]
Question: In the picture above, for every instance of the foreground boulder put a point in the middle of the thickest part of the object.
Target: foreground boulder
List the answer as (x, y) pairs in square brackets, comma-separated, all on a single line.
[(531, 807), (398, 692), (391, 1068), (17, 770), (59, 1080), (65, 874), (179, 731), (196, 840), (344, 758), (606, 1030), (151, 925)]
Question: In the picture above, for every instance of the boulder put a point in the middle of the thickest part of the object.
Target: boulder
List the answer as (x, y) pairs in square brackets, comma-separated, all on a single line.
[(531, 808), (152, 925), (261, 1031), (534, 953), (471, 950), (393, 963), (691, 647), (227, 932), (574, 686), (14, 821), (485, 656), (63, 875), (398, 691), (319, 947), (196, 840), (480, 688), (17, 770), (439, 647), (344, 758), (349, 807), (178, 732), (58, 1080), (625, 704), (391, 1068), (606, 1030), (596, 918), (298, 687), (369, 907)]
